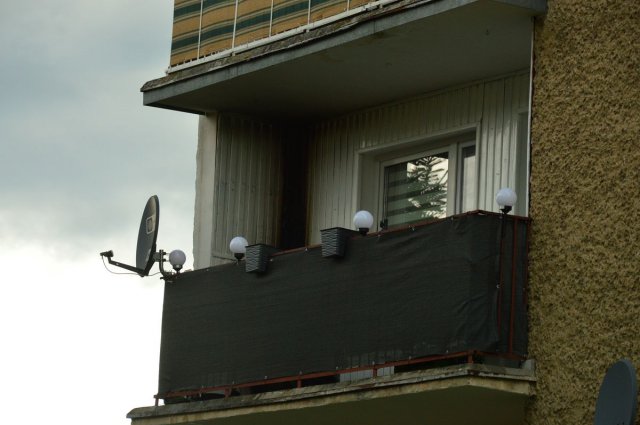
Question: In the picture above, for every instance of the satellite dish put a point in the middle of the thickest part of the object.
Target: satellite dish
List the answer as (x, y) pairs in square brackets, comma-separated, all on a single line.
[(617, 400), (147, 236)]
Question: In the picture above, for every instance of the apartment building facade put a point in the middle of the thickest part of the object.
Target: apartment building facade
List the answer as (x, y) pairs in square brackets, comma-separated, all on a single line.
[(419, 112)]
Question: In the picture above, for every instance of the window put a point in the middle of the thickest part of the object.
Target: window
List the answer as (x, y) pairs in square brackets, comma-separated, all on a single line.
[(419, 179), (468, 181), (416, 190), (429, 185)]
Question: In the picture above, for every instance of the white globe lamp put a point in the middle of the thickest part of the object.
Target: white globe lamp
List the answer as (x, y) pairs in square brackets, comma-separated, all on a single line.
[(177, 259), (363, 220), (506, 199), (238, 246)]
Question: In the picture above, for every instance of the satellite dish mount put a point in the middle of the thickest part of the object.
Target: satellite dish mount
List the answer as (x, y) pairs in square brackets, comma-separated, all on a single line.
[(146, 254)]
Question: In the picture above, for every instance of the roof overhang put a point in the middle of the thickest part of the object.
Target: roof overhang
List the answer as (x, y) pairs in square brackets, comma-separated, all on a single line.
[(372, 58)]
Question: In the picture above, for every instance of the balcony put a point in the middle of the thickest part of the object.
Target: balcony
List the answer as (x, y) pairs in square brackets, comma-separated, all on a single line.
[(370, 53), (427, 314)]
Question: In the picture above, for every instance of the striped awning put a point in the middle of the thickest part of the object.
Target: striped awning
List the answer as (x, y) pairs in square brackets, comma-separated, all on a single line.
[(205, 27)]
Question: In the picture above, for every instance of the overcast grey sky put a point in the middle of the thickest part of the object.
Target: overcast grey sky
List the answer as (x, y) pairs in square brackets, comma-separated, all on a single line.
[(79, 157)]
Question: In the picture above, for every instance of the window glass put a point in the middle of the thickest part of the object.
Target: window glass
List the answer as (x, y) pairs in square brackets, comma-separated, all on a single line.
[(467, 183), (416, 190)]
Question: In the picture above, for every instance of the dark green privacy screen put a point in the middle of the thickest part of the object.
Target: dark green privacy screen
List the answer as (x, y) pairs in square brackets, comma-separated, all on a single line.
[(404, 294)]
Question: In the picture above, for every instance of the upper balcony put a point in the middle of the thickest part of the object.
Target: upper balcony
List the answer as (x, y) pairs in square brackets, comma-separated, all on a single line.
[(430, 317), (289, 58)]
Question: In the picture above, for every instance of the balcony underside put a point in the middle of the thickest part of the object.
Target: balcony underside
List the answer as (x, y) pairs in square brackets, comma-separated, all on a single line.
[(376, 57), (478, 394)]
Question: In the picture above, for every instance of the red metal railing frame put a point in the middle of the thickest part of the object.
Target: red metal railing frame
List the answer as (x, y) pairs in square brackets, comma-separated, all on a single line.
[(298, 379)]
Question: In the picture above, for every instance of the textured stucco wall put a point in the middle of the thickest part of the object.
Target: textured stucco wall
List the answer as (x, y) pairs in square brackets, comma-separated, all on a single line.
[(585, 203)]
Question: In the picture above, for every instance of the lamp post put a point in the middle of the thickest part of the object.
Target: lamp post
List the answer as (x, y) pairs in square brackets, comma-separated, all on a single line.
[(506, 198)]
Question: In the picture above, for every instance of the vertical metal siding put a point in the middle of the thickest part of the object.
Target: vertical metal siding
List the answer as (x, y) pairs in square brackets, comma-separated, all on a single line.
[(248, 184), (493, 105), (504, 100)]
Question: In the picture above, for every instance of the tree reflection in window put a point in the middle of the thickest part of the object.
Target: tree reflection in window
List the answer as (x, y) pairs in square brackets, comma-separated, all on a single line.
[(416, 190)]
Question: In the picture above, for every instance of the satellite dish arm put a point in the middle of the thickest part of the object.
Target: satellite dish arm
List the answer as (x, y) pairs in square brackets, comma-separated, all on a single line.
[(146, 247), (109, 255)]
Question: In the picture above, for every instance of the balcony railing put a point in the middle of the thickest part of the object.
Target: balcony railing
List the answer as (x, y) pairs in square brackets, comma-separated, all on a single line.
[(449, 289)]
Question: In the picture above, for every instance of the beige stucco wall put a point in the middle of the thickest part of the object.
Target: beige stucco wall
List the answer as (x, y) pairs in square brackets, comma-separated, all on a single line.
[(585, 203)]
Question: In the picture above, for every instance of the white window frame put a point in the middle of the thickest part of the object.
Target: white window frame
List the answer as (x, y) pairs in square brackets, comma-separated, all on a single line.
[(476, 177), (370, 163), (452, 158)]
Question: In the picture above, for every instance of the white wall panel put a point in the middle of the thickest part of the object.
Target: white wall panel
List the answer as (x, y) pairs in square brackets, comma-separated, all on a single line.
[(239, 181), (246, 186), (493, 106), (205, 175)]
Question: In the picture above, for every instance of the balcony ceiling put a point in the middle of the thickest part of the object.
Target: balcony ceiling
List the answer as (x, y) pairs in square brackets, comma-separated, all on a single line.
[(416, 49)]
